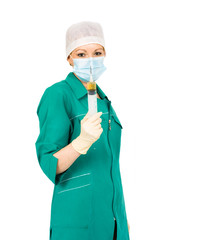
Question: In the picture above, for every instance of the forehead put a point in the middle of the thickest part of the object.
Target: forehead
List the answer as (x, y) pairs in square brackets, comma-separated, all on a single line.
[(90, 46)]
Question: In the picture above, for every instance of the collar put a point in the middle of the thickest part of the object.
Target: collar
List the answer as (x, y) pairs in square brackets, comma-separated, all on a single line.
[(79, 89)]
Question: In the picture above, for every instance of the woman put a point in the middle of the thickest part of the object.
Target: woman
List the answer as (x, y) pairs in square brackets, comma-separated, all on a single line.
[(79, 153)]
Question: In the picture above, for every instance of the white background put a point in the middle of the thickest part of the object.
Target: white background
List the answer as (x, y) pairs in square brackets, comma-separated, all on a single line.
[(165, 81)]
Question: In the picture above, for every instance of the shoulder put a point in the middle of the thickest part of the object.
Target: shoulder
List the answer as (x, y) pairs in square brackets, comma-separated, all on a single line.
[(55, 94), (60, 88)]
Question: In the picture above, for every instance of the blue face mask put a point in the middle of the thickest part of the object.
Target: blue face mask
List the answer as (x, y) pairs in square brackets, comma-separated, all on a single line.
[(82, 68)]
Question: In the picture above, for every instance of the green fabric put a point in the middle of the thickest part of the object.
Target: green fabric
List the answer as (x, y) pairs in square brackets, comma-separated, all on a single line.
[(88, 195)]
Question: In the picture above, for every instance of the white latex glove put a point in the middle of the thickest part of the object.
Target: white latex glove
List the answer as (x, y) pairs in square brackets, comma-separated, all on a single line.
[(90, 132)]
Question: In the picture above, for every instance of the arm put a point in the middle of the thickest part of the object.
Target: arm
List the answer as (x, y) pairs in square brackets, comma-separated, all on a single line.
[(54, 151), (55, 126), (90, 132), (66, 156)]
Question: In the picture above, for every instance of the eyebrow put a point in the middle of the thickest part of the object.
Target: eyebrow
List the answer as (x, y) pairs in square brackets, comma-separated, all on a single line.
[(85, 50)]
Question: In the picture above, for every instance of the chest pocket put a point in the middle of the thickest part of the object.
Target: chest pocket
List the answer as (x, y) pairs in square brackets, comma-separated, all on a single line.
[(79, 117), (116, 120), (104, 118)]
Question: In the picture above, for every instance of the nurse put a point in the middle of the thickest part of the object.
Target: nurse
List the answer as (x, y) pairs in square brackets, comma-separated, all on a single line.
[(79, 153)]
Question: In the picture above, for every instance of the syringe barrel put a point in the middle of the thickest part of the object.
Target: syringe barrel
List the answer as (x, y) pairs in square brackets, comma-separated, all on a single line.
[(92, 98)]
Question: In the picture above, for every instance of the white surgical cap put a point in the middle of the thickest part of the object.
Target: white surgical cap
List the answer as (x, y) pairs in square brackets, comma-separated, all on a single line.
[(83, 33)]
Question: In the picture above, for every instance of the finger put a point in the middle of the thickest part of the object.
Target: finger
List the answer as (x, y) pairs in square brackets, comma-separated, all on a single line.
[(96, 122), (98, 126), (85, 117), (94, 117)]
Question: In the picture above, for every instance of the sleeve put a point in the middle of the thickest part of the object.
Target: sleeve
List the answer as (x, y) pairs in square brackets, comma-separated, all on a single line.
[(55, 126)]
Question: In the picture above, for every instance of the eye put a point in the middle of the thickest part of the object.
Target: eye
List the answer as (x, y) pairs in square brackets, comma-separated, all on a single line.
[(98, 53), (82, 54)]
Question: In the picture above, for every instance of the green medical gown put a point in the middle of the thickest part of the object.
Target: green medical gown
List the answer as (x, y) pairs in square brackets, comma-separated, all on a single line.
[(88, 196)]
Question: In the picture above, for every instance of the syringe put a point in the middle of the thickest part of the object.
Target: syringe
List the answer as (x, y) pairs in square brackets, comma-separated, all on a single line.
[(92, 95)]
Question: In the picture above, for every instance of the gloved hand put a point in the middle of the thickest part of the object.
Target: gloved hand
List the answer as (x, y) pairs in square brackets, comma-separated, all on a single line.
[(90, 132)]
